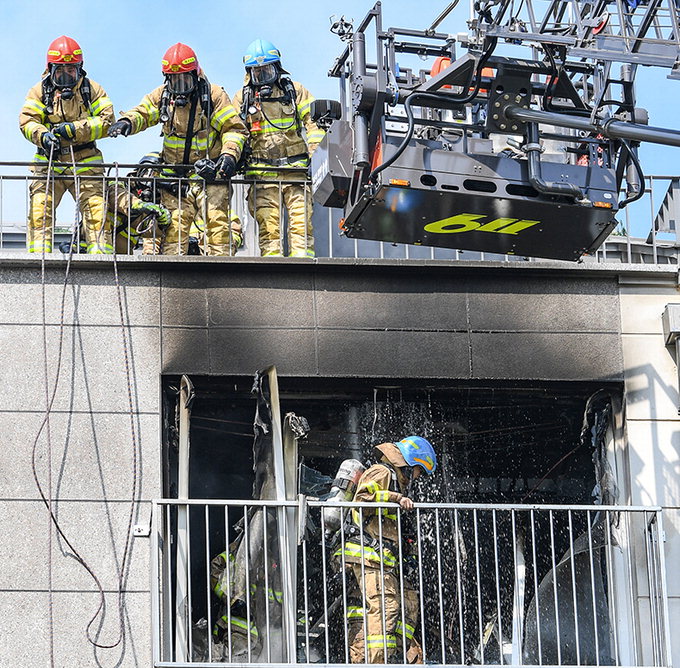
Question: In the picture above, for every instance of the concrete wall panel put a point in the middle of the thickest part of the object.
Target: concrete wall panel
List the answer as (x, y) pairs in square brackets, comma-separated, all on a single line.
[(546, 356), (90, 297), (515, 303), (392, 301), (92, 376), (651, 378), (642, 306), (393, 353), (654, 455), (92, 455)]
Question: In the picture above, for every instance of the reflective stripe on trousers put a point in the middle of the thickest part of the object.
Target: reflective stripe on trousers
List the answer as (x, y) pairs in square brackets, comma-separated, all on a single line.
[(91, 203), (265, 203)]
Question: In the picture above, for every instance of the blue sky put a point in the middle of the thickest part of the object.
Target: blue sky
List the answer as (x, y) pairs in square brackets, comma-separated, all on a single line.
[(124, 41)]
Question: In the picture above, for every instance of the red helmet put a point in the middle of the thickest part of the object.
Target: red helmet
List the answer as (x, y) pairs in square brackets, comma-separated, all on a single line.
[(179, 58), (64, 50)]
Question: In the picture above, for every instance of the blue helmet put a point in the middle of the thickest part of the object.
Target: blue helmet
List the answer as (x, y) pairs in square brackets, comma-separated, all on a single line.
[(261, 52), (418, 451)]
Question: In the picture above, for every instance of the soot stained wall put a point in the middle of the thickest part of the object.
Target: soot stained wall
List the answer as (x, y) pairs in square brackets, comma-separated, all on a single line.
[(382, 320)]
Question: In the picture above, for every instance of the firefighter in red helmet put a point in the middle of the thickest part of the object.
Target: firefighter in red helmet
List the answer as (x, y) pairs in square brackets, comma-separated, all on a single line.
[(63, 115), (204, 136)]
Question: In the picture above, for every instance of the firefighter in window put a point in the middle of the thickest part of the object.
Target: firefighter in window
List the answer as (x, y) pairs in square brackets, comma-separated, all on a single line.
[(276, 110), (371, 554), (204, 137), (63, 115)]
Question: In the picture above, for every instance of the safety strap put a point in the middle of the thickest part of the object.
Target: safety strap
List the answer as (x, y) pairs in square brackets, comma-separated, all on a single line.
[(190, 132)]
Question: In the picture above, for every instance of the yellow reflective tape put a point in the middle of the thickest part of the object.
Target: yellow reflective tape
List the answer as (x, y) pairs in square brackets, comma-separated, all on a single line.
[(36, 105), (30, 127), (99, 249), (371, 487), (38, 246), (304, 108), (381, 497), (100, 104), (388, 641), (222, 116), (235, 138), (96, 128), (355, 612), (240, 623), (368, 553), (315, 136), (410, 630)]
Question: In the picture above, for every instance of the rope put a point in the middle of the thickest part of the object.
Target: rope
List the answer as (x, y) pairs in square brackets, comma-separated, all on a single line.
[(49, 399)]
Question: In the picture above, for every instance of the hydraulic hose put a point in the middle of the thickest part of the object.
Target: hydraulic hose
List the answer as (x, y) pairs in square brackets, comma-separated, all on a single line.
[(435, 97), (533, 150), (641, 176)]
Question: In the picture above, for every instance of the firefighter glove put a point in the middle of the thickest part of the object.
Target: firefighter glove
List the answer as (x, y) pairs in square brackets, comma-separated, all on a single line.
[(65, 130), (121, 127), (160, 213), (206, 169), (236, 240), (50, 141), (226, 166)]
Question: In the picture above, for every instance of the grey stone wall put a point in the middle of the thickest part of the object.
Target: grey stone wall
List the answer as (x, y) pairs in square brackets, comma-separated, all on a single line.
[(194, 316)]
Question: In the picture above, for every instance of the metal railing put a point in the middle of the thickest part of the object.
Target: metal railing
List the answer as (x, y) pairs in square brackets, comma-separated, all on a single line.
[(448, 584), (141, 233)]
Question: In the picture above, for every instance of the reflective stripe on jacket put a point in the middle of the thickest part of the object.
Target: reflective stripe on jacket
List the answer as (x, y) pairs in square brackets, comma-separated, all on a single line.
[(275, 132), (91, 123), (224, 132)]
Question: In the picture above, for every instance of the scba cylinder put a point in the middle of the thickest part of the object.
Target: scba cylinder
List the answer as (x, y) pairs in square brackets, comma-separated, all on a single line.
[(343, 489)]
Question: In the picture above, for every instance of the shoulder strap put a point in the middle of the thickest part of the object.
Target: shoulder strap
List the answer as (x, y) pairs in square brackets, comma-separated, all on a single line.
[(86, 93), (47, 93), (394, 487), (190, 131), (289, 89), (247, 95), (205, 97)]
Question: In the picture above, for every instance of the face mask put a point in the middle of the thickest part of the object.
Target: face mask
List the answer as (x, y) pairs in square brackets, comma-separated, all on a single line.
[(65, 76), (181, 84), (264, 75)]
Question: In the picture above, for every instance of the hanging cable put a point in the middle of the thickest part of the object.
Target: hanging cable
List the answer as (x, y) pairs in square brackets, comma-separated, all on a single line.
[(50, 398)]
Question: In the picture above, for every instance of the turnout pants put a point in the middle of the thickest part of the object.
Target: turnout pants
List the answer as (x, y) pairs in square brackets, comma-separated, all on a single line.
[(382, 627), (90, 200), (208, 202), (266, 202)]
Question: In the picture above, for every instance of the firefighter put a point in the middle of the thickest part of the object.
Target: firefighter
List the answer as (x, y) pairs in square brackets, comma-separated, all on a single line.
[(235, 634), (276, 110), (371, 553), (134, 206), (63, 115), (200, 128)]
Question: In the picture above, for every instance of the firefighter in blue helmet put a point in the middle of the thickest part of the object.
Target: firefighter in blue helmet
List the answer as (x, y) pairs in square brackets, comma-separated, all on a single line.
[(276, 111), (378, 631)]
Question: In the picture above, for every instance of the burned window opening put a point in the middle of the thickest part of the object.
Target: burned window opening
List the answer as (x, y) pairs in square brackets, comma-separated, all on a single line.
[(497, 443)]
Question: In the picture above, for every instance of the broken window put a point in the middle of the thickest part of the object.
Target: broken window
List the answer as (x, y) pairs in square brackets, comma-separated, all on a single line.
[(479, 564)]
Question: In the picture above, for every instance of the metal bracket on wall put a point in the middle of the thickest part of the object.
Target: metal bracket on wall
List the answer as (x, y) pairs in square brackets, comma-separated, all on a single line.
[(671, 333)]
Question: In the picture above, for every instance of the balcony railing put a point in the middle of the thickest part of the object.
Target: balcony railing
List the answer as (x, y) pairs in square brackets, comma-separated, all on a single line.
[(636, 240), (269, 583)]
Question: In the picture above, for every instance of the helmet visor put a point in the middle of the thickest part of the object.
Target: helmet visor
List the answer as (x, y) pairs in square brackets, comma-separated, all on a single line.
[(182, 83), (66, 75), (264, 74)]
